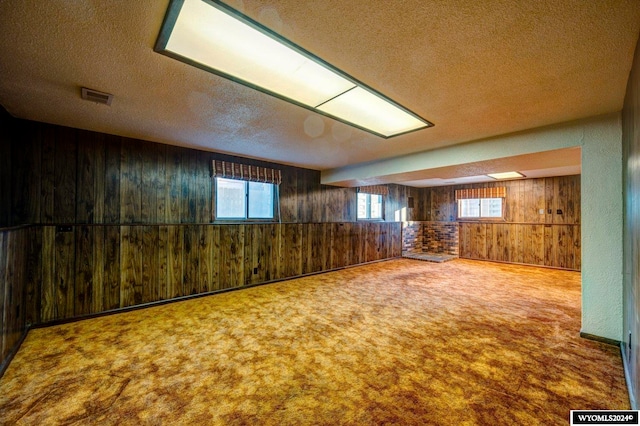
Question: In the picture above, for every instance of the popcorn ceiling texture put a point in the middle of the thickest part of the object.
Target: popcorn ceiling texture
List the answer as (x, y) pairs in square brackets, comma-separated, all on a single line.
[(475, 69)]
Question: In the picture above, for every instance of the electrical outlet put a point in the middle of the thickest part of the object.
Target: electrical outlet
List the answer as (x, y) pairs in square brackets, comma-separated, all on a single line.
[(541, 211), (255, 270), (559, 211)]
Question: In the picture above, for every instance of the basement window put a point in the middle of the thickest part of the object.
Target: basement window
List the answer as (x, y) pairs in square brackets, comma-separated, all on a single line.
[(478, 208), (243, 200), (369, 206)]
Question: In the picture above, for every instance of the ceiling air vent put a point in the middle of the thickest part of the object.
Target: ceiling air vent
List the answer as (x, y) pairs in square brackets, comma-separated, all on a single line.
[(97, 97)]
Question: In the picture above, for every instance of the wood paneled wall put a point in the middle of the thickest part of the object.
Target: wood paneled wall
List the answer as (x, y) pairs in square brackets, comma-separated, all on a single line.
[(114, 222), (523, 201), (525, 235), (63, 175), (556, 246), (631, 281), (13, 278), (5, 167), (86, 269)]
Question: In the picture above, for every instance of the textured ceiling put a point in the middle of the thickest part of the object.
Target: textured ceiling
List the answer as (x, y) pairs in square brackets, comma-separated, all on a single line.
[(474, 68)]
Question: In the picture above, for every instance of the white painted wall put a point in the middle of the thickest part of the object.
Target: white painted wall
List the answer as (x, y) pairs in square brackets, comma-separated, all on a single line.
[(601, 200), (602, 208)]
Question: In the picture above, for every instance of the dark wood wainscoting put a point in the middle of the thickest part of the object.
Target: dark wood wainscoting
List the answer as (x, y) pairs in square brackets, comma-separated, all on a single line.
[(551, 245), (13, 275), (88, 269)]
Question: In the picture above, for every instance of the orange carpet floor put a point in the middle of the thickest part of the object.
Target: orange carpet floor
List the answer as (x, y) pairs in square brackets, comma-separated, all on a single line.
[(399, 342)]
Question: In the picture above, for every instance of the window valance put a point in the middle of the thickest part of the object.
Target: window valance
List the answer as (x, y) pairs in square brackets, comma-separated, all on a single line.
[(230, 170), (498, 192), (374, 189)]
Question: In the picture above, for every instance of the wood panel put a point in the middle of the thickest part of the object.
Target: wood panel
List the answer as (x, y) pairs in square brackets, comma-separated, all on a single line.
[(173, 185), (340, 245), (47, 188), (370, 240), (90, 180), (556, 246), (151, 264), (64, 178), (7, 124), (188, 186), (232, 256), (151, 185), (61, 175), (261, 253), (33, 275), (175, 250), (112, 179), (111, 265), (524, 200), (216, 257), (204, 186), (130, 182), (96, 268), (84, 270), (48, 291), (5, 304), (131, 266), (140, 232), (191, 260), (99, 287), (338, 204), (164, 277), (289, 195), (12, 284), (291, 250), (64, 273), (522, 236), (205, 256), (26, 162)]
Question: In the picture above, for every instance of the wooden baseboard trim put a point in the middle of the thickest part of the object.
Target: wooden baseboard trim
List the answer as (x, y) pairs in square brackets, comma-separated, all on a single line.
[(13, 352), (520, 264), (600, 339)]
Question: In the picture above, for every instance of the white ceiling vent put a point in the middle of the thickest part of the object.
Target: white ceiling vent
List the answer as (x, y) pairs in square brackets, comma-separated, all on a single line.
[(97, 97)]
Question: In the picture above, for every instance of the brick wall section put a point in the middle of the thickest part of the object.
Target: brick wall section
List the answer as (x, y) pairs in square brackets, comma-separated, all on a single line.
[(440, 237), (412, 237)]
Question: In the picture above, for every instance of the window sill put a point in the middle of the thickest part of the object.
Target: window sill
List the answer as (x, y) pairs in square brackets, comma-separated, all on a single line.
[(242, 221), (481, 219)]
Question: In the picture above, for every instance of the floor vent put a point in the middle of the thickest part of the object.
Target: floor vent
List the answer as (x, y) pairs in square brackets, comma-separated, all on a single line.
[(97, 97)]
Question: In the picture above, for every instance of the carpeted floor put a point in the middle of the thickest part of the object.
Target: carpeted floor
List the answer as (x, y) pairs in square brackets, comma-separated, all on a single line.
[(399, 342)]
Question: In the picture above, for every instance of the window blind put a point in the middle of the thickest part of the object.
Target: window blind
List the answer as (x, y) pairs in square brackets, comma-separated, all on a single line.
[(498, 192), (230, 170), (374, 189)]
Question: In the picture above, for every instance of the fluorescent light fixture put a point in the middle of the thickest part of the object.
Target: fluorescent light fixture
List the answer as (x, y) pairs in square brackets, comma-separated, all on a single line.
[(214, 37), (506, 175)]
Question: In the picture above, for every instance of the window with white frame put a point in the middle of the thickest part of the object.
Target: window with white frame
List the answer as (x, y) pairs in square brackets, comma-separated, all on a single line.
[(478, 208), (243, 200), (369, 206)]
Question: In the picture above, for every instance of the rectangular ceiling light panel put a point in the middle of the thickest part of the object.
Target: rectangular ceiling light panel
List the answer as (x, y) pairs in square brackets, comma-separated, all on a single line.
[(371, 111), (214, 37), (506, 175)]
